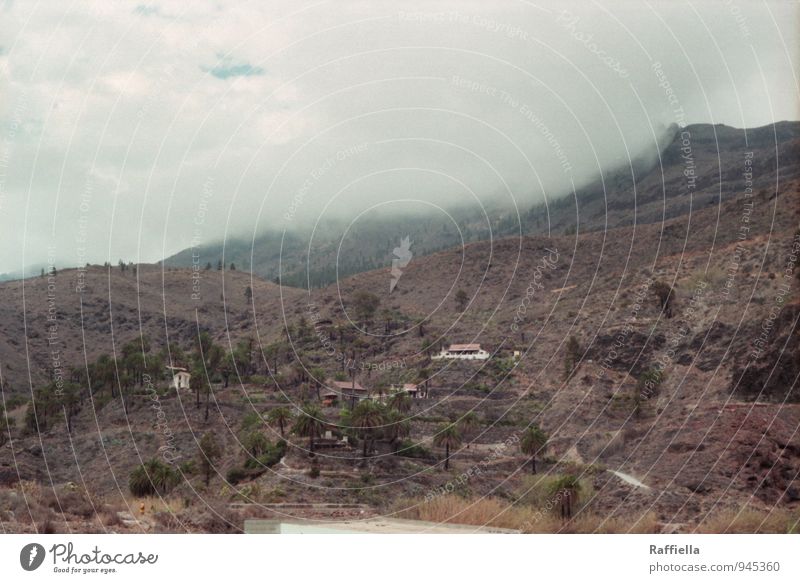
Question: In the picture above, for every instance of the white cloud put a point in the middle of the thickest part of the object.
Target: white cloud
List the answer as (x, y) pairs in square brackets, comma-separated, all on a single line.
[(120, 96)]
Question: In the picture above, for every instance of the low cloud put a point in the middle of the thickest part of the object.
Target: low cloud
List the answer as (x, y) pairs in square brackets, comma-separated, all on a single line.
[(142, 135)]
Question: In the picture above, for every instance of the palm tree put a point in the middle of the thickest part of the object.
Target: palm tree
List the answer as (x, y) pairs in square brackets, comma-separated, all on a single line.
[(424, 378), (196, 382), (566, 490), (397, 427), (210, 450), (367, 416), (448, 437), (468, 423), (309, 424), (280, 416), (400, 401), (532, 442), (152, 478)]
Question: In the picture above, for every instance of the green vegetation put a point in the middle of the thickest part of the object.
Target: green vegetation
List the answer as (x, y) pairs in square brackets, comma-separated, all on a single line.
[(461, 299), (152, 478), (280, 416), (310, 423), (210, 451), (533, 441), (449, 437), (367, 417), (572, 356), (566, 491), (365, 305), (666, 296)]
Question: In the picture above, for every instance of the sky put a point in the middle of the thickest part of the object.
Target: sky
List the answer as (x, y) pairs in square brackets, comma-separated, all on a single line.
[(135, 130)]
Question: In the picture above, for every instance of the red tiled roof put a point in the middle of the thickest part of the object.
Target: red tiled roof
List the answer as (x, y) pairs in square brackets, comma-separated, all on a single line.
[(464, 347)]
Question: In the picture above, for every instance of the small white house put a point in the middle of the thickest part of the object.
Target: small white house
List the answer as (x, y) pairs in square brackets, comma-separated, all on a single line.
[(414, 391), (180, 377), (463, 352)]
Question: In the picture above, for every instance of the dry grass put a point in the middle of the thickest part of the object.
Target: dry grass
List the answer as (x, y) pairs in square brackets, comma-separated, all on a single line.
[(751, 521), (526, 518)]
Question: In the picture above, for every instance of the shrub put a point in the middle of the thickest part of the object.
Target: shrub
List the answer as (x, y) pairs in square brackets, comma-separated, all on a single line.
[(15, 401), (251, 420), (408, 448), (236, 475), (271, 455), (153, 477), (665, 295)]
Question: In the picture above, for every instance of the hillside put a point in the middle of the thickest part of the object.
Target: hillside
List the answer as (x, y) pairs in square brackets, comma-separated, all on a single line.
[(695, 401), (648, 189)]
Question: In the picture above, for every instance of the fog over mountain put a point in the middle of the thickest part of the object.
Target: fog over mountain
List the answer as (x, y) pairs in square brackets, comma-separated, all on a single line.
[(138, 133)]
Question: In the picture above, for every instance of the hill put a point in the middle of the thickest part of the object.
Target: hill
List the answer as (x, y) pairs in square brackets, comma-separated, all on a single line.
[(653, 186), (659, 358)]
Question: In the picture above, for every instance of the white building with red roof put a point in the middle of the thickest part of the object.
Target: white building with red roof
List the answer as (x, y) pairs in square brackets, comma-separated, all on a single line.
[(463, 352)]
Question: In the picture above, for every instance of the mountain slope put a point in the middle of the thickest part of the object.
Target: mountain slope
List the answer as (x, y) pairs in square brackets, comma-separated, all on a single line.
[(649, 188)]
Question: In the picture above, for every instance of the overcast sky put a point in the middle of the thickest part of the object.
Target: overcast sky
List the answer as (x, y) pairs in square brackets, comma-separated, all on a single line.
[(132, 129)]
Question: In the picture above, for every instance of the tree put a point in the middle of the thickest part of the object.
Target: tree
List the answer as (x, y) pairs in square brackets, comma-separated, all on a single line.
[(572, 357), (280, 416), (233, 267), (71, 403), (153, 478), (424, 378), (468, 423), (248, 293), (210, 450), (449, 437), (219, 265), (400, 401), (208, 266), (226, 368), (533, 441), (398, 427), (367, 416), (6, 423), (461, 300), (256, 443), (665, 294), (566, 490), (196, 382), (365, 304), (309, 424)]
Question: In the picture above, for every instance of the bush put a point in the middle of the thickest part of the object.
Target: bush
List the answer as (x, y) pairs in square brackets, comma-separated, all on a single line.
[(251, 420), (236, 475), (15, 401), (271, 456), (153, 477), (410, 449)]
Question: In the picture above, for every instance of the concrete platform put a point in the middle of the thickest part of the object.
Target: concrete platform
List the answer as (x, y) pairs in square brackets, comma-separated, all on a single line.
[(366, 526)]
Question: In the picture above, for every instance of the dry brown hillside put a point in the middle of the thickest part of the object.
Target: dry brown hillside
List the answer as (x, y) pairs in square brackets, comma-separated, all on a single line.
[(695, 403)]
